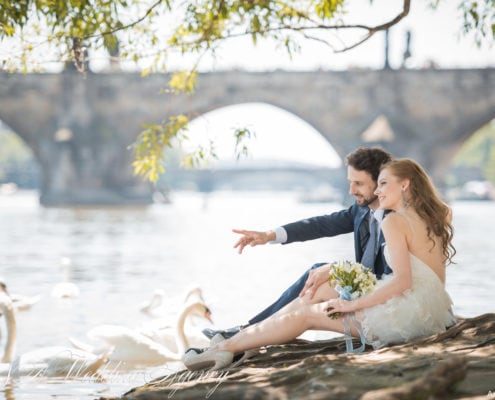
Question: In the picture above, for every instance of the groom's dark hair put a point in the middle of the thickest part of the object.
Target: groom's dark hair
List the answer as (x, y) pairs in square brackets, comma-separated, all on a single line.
[(368, 159)]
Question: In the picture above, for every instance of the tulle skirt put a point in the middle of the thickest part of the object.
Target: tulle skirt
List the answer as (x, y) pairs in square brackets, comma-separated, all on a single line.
[(423, 310)]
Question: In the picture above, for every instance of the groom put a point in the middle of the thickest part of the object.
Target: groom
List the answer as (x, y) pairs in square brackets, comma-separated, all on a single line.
[(363, 167)]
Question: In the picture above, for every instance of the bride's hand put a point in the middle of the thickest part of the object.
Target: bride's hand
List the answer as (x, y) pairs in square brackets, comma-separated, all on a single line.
[(334, 306), (316, 278)]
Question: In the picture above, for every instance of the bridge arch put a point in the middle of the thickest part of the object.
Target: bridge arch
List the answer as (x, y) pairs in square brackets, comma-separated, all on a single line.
[(277, 135), (275, 156), (18, 163), (474, 129), (475, 158)]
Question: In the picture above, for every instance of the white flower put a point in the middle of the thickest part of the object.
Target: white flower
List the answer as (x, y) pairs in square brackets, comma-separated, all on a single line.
[(354, 275)]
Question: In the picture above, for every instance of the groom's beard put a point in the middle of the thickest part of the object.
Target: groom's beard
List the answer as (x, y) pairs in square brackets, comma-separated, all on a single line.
[(364, 202)]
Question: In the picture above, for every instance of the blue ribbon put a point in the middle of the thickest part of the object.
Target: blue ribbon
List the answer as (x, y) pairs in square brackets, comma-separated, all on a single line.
[(345, 293)]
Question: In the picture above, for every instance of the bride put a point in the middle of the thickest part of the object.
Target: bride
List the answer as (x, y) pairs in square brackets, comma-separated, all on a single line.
[(410, 303)]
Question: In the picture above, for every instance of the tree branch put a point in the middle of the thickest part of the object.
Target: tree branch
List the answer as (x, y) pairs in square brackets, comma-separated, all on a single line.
[(370, 29), (405, 11), (124, 27)]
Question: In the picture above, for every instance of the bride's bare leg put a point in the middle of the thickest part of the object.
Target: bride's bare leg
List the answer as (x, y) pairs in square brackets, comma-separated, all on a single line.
[(283, 327), (324, 292)]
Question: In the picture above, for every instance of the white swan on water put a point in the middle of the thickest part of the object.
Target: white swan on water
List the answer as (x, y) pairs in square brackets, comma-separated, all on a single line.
[(20, 302), (134, 347), (47, 361), (159, 328), (65, 289), (158, 306)]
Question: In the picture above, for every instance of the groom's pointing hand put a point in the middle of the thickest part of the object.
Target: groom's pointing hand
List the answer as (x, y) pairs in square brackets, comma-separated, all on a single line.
[(252, 238)]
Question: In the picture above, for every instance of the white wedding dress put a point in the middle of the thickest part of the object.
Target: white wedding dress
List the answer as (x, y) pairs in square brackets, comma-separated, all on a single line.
[(423, 310)]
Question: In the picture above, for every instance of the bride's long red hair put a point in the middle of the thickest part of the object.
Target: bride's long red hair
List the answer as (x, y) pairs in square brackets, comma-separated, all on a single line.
[(427, 203)]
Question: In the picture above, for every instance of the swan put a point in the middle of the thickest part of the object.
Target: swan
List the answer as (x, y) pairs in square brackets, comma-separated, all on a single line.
[(160, 331), (159, 328), (168, 338), (134, 346), (155, 302), (47, 361), (65, 289), (20, 302), (157, 305), (195, 292)]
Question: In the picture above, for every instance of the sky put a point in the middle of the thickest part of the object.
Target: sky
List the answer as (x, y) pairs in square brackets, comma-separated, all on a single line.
[(435, 38)]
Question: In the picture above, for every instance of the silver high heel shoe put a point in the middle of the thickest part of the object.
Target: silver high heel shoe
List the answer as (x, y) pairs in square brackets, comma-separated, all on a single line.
[(218, 338), (195, 359), (238, 358)]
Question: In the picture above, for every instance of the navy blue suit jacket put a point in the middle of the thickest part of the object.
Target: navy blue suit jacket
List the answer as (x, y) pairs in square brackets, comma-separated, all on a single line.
[(354, 219)]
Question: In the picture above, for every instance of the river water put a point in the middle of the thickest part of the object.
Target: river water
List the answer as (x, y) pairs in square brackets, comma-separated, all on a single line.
[(120, 256)]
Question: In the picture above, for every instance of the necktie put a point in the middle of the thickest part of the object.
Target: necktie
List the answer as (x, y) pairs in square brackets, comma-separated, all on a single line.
[(368, 259)]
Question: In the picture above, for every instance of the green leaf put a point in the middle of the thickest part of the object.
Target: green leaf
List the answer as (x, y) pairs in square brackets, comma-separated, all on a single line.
[(183, 81)]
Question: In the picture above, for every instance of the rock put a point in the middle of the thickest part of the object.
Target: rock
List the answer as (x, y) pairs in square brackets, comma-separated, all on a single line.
[(459, 363)]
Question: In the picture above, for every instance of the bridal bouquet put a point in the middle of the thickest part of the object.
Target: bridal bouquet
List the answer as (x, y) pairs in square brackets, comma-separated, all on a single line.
[(351, 280)]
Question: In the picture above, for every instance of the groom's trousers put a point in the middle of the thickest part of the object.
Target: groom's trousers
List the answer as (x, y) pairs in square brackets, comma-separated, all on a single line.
[(290, 294)]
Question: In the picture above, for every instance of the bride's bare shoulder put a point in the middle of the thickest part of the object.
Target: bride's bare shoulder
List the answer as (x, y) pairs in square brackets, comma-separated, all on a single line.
[(394, 217), (400, 220)]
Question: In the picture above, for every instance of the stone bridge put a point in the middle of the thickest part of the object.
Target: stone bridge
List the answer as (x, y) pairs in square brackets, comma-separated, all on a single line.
[(80, 128)]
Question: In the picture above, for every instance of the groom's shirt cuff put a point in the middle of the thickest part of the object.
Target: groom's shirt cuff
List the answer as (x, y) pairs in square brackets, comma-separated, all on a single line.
[(280, 235)]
